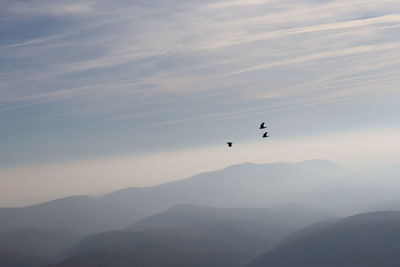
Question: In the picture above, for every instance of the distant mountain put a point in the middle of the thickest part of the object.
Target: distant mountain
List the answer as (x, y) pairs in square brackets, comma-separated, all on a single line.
[(38, 242), (364, 240), (14, 259), (188, 235), (243, 185), (279, 220)]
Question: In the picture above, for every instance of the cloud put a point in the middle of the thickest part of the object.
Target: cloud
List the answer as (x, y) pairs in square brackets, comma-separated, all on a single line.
[(323, 55), (309, 29), (159, 65), (51, 8), (239, 3)]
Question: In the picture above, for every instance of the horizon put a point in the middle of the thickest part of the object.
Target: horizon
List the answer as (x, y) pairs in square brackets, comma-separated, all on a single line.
[(165, 182), (380, 170), (99, 176)]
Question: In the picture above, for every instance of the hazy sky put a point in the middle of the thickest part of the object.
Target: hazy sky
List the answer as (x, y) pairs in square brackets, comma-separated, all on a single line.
[(95, 89)]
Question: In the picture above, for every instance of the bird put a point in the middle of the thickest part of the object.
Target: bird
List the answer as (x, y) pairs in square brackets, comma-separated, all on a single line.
[(265, 135), (229, 144), (262, 126)]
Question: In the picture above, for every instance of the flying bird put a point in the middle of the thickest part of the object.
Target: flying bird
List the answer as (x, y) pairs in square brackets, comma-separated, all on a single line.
[(262, 126), (229, 144), (265, 135)]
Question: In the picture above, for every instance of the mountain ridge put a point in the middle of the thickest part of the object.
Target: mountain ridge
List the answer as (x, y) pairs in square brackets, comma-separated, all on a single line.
[(368, 239), (241, 185)]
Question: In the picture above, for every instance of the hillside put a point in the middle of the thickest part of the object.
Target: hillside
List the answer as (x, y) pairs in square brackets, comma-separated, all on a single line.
[(363, 240), (38, 242), (14, 259), (244, 185), (188, 235)]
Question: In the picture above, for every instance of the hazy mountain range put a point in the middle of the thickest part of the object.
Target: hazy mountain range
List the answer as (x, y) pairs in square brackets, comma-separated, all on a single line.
[(188, 235), (244, 185), (42, 243), (370, 239), (15, 259), (244, 215)]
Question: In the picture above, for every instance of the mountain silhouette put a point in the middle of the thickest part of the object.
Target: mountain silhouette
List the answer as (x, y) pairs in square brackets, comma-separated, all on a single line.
[(42, 243), (369, 239), (15, 259), (188, 235), (284, 217), (243, 185)]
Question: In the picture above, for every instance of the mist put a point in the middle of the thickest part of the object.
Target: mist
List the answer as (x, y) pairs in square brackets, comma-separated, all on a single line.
[(369, 152), (246, 210)]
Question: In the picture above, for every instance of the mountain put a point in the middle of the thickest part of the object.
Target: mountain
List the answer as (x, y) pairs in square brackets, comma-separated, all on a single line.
[(38, 242), (363, 240), (188, 235), (273, 220), (244, 185), (15, 259)]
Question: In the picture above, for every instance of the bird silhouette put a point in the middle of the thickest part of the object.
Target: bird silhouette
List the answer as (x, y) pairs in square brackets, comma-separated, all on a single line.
[(229, 144), (262, 126), (265, 135)]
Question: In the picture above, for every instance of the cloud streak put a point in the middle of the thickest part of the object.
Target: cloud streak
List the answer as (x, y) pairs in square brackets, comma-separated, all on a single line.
[(159, 65)]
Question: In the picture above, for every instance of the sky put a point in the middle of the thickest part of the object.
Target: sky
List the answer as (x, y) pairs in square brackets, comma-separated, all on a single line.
[(99, 95)]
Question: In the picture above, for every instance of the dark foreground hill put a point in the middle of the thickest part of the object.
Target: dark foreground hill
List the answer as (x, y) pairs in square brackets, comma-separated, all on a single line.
[(244, 185), (15, 259), (188, 235), (364, 240), (38, 242)]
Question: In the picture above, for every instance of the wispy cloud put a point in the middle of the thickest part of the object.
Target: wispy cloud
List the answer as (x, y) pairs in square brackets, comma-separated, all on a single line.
[(319, 56), (45, 7), (154, 64), (239, 3)]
